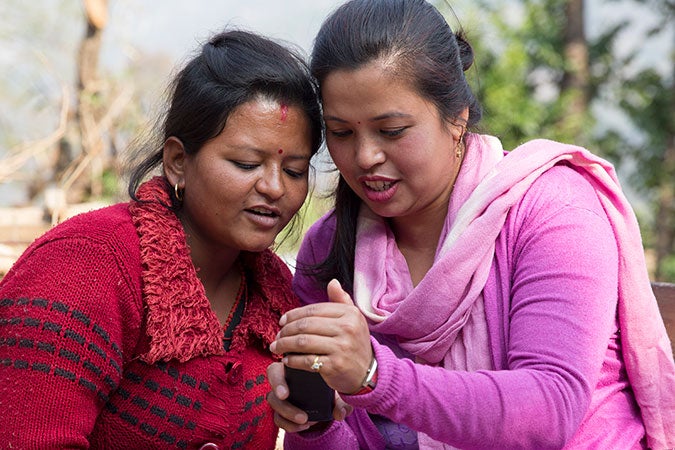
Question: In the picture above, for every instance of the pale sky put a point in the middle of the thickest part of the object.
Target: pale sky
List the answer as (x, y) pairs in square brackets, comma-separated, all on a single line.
[(176, 27)]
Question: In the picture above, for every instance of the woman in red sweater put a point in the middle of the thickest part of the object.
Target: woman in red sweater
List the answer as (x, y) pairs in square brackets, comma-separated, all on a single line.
[(147, 324)]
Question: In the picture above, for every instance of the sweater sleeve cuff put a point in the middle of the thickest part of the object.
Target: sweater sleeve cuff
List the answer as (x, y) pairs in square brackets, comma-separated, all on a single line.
[(386, 368)]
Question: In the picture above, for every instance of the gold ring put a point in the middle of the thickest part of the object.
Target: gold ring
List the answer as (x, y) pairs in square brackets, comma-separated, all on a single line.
[(316, 366)]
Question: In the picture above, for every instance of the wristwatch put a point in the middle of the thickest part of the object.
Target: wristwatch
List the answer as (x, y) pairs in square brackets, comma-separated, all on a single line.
[(370, 381)]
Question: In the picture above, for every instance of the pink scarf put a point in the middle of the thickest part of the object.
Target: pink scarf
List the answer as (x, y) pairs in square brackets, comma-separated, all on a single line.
[(442, 321)]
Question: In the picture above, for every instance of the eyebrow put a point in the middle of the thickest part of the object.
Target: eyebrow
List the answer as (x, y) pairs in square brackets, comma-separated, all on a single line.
[(299, 158), (288, 155), (389, 115), (334, 118)]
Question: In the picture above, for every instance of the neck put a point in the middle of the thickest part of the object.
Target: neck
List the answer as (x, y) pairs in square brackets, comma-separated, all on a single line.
[(219, 273), (212, 264), (417, 236), (422, 229), (417, 239), (420, 232)]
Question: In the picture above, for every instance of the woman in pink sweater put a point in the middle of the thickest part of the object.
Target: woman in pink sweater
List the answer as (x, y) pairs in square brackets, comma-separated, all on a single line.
[(147, 324), (484, 299)]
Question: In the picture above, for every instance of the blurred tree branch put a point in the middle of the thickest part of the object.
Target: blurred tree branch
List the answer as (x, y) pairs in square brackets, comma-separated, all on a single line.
[(23, 153)]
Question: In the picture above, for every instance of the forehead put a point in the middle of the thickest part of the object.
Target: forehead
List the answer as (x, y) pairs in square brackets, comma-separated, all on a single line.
[(260, 103), (264, 124), (375, 71), (266, 110), (369, 90)]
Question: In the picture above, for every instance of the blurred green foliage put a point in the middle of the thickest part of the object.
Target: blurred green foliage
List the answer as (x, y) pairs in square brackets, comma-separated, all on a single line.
[(519, 67)]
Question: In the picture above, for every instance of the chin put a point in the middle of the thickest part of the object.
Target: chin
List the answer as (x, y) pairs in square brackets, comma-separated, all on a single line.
[(256, 247)]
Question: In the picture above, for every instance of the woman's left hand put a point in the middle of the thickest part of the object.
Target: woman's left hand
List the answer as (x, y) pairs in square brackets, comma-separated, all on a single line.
[(333, 334)]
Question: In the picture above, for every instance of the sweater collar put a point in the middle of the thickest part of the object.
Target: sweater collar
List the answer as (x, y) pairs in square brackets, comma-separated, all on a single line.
[(180, 322)]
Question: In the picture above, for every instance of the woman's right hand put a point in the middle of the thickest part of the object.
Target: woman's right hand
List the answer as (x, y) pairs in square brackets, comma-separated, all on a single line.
[(287, 416)]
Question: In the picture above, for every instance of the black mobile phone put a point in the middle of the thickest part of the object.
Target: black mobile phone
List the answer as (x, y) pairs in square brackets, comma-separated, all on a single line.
[(309, 392)]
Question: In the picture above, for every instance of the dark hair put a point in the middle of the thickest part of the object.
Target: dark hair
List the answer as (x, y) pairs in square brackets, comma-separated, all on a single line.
[(425, 51), (232, 68)]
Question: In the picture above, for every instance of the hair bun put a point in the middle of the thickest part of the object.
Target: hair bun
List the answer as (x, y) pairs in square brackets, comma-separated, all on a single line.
[(465, 50)]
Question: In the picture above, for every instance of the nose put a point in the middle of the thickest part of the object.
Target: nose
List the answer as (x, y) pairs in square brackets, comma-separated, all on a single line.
[(368, 153), (271, 183)]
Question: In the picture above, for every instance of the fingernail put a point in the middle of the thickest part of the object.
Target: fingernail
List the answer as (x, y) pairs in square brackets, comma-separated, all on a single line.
[(281, 392), (282, 321), (273, 346)]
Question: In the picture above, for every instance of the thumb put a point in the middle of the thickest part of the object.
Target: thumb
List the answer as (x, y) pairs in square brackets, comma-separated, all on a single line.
[(336, 294)]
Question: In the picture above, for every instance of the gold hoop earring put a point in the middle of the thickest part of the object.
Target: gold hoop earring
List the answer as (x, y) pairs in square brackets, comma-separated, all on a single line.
[(177, 192)]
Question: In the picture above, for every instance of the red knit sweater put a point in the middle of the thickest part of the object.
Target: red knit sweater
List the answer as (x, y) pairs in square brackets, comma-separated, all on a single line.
[(107, 339)]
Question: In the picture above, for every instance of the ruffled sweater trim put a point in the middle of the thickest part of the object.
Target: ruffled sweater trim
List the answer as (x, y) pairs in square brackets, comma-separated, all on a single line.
[(180, 322)]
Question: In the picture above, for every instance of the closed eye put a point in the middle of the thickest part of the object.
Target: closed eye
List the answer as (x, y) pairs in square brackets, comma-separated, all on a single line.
[(245, 166), (295, 173), (339, 133), (394, 132)]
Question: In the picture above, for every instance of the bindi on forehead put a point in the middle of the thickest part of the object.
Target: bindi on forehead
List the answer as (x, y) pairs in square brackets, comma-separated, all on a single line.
[(280, 151), (284, 112)]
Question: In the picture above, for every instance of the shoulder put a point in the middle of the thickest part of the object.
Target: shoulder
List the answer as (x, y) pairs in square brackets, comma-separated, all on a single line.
[(323, 227), (95, 242), (88, 265), (561, 188), (319, 238), (560, 218), (314, 249), (316, 244), (106, 225), (568, 182)]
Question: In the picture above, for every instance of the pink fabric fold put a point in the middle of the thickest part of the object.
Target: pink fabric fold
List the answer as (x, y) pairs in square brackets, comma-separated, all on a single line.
[(441, 320)]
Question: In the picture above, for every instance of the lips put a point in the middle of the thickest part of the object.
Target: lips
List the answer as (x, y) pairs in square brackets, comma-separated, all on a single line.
[(378, 189), (264, 217)]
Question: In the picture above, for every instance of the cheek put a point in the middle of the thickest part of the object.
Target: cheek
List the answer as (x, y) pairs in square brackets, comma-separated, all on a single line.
[(205, 172), (297, 195), (419, 153), (340, 155)]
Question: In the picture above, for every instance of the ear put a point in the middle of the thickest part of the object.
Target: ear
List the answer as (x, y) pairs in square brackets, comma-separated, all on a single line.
[(173, 159), (458, 127)]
